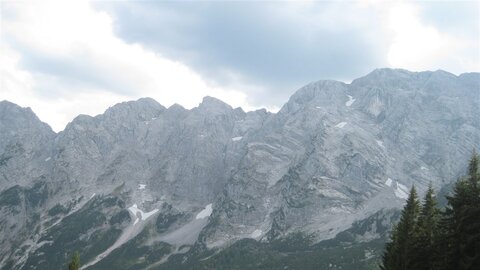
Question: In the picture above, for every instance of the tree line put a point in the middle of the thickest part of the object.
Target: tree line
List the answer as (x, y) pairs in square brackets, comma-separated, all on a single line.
[(430, 238)]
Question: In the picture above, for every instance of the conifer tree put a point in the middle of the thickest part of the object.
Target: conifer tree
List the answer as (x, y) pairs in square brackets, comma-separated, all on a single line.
[(389, 257), (427, 234), (469, 222), (459, 242), (427, 239), (444, 243), (407, 230), (75, 262), (474, 173), (449, 244), (399, 251)]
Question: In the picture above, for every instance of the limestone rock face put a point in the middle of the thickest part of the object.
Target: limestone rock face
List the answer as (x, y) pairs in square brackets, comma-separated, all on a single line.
[(334, 154), (24, 140)]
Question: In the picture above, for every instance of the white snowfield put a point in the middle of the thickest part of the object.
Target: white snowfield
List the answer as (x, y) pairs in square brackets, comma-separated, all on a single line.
[(139, 214), (257, 233), (388, 182), (341, 124), (206, 212), (236, 139), (141, 186), (350, 101), (380, 143), (48, 158), (401, 191)]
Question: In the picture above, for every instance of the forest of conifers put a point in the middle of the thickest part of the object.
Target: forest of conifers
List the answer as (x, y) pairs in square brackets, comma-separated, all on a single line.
[(428, 237)]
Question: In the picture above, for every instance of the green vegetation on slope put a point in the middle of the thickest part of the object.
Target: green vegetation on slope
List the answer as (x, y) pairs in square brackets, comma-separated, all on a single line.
[(135, 254), (88, 230), (293, 252), (427, 238)]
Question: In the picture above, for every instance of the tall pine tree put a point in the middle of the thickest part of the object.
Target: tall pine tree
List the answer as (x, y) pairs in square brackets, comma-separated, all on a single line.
[(75, 262), (461, 223), (469, 222), (389, 257), (427, 234), (399, 251)]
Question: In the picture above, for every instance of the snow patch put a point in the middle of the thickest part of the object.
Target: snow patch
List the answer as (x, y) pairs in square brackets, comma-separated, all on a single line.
[(39, 245), (401, 191), (350, 101), (235, 139), (147, 215), (48, 158), (318, 107), (380, 143), (206, 212), (424, 168), (141, 186), (140, 214), (93, 195), (400, 194), (388, 182), (402, 187), (257, 233), (341, 124), (369, 254), (154, 118)]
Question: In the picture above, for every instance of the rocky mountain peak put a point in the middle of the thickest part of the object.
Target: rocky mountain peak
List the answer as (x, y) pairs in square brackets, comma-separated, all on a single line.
[(474, 76), (401, 78), (385, 77), (214, 106), (16, 116), (19, 123), (176, 107), (142, 107), (320, 93)]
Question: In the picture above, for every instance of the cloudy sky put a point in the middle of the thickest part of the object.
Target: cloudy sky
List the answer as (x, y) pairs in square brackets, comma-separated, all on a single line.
[(64, 58)]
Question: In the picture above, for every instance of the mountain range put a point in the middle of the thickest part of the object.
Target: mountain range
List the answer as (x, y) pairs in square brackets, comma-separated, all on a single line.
[(316, 185)]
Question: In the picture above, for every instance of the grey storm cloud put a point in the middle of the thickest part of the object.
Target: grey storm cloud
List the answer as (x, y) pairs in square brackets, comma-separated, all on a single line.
[(68, 72), (253, 40)]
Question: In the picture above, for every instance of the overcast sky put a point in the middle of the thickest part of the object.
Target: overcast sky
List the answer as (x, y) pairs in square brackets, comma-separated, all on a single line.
[(64, 58)]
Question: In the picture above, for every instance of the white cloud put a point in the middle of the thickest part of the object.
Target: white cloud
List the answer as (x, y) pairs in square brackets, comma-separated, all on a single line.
[(413, 43), (83, 38), (17, 86), (418, 46)]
